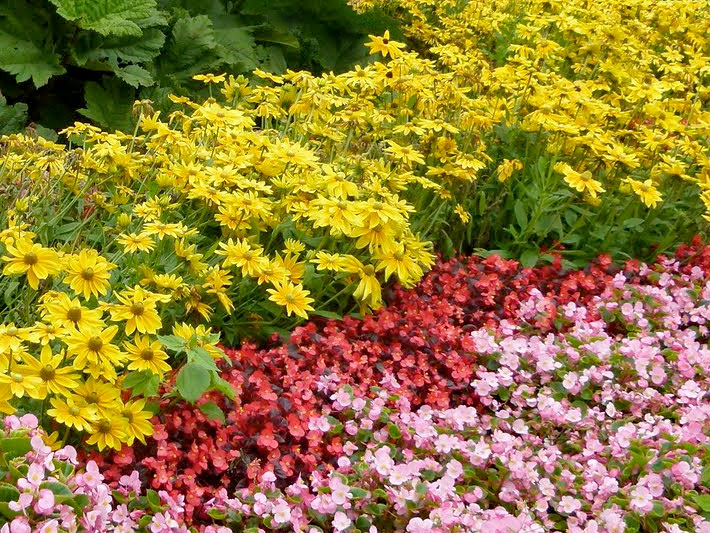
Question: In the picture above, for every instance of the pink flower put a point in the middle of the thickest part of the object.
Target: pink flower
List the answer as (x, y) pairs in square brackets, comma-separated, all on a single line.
[(22, 503), (282, 512), (163, 523), (641, 500), (340, 521), (92, 477), (45, 503), (418, 525), (568, 505), (20, 525), (132, 482)]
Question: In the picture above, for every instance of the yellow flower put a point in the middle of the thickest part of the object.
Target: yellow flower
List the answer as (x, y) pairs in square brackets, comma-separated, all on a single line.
[(242, 255), (293, 246), (462, 213), (31, 259), (94, 346), (137, 421), (66, 313), (133, 242), (12, 337), (384, 46), (55, 379), (332, 262), (583, 182), (138, 310), (368, 289), (102, 396), (144, 355), (88, 273), (210, 78), (74, 414), (400, 263), (405, 154), (22, 382), (108, 433), (294, 297), (647, 191)]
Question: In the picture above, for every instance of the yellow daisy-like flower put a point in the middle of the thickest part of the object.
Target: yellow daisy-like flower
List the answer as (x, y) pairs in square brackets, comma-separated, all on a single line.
[(93, 346), (133, 242), (31, 259), (68, 313), (293, 297), (647, 191), (384, 45), (71, 413), (103, 397), (108, 433), (55, 379), (22, 382), (146, 355), (88, 273), (12, 337), (138, 310), (137, 421)]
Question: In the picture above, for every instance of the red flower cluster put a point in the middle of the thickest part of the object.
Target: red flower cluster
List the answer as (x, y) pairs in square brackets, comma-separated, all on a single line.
[(420, 340)]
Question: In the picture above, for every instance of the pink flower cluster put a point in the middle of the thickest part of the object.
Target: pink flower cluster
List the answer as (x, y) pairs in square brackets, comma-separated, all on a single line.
[(49, 494), (600, 423)]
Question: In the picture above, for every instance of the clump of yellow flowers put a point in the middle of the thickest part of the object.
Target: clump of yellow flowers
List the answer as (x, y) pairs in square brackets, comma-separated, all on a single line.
[(620, 90)]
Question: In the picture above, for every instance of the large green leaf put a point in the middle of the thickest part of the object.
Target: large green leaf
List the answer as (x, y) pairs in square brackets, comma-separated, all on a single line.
[(192, 381), (107, 17), (26, 59), (12, 117), (117, 50), (191, 48), (109, 105)]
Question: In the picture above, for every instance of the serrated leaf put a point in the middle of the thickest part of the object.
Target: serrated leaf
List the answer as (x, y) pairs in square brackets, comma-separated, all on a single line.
[(107, 17), (116, 50), (173, 342), (192, 382), (202, 357), (529, 258), (12, 117), (190, 49), (8, 492), (59, 489), (25, 59), (15, 446), (222, 386), (142, 382), (135, 76), (703, 501), (213, 411), (109, 105)]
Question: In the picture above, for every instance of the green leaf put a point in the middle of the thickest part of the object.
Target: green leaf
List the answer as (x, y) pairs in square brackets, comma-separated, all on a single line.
[(8, 492), (135, 76), (26, 59), (529, 258), (59, 489), (192, 382), (191, 48), (12, 117), (113, 51), (107, 17), (394, 431), (213, 411), (142, 382), (703, 501), (15, 446), (223, 387), (632, 222), (109, 105), (173, 343), (202, 357), (520, 216)]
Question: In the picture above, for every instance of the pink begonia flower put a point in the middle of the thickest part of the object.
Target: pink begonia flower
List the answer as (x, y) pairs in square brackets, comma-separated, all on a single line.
[(51, 526), (20, 525), (132, 482), (45, 503), (68, 453), (35, 474), (39, 446), (268, 477), (92, 476), (163, 523), (281, 512), (29, 421), (419, 525), (22, 503), (568, 505), (340, 521)]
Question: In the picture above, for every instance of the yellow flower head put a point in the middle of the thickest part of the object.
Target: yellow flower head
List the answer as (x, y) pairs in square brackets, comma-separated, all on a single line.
[(88, 273), (31, 259)]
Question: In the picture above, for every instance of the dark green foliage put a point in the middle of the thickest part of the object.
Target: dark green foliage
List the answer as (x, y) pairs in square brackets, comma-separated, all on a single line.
[(66, 60)]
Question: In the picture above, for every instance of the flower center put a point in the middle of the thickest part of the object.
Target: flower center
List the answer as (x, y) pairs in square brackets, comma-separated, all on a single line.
[(74, 411), (147, 354), (74, 314), (12, 331), (137, 309), (92, 397), (47, 373), (17, 378), (30, 258), (104, 426), (95, 343), (88, 274), (127, 415)]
